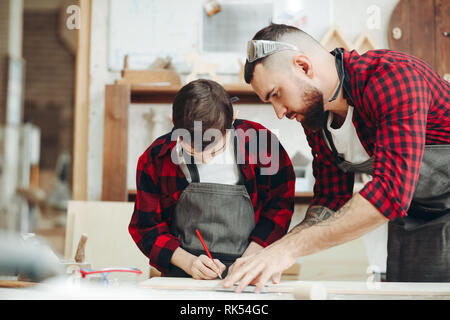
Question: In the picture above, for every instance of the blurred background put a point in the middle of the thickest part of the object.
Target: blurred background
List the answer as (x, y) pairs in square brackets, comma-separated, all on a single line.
[(86, 86)]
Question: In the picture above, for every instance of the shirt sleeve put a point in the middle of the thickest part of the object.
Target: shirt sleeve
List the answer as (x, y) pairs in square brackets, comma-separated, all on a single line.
[(332, 187), (276, 188), (149, 228), (399, 98)]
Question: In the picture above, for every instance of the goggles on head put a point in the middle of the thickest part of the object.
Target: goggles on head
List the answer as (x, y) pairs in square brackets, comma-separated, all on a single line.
[(257, 49)]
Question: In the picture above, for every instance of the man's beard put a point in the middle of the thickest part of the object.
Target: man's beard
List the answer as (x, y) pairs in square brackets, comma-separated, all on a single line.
[(314, 116)]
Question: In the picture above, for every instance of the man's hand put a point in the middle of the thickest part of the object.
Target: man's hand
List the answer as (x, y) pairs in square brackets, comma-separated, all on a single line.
[(321, 229), (258, 268)]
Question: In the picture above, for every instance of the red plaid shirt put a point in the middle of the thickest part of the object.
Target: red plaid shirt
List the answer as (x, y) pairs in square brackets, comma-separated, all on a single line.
[(401, 105), (160, 183)]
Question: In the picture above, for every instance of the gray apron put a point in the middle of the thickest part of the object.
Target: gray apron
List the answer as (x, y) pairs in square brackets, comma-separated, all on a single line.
[(222, 213), (418, 244)]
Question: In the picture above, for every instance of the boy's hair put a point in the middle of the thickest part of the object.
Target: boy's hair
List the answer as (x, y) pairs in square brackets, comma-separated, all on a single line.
[(206, 101)]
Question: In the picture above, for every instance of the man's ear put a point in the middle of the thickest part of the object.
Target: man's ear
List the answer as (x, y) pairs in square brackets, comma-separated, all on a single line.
[(303, 64), (170, 118)]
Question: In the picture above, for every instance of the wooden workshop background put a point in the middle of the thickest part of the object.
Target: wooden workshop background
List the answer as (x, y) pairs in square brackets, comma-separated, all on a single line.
[(75, 91)]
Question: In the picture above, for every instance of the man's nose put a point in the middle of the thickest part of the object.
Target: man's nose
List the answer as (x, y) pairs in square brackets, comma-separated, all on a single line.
[(280, 110)]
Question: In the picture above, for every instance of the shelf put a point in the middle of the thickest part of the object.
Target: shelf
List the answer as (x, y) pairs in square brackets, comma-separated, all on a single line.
[(166, 94), (300, 197)]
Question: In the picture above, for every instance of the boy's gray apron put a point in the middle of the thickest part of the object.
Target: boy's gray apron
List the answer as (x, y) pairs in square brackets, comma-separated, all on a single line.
[(222, 213), (418, 244)]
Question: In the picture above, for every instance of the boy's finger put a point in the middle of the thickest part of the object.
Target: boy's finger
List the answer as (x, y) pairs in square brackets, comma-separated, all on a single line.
[(207, 272), (220, 264), (209, 263)]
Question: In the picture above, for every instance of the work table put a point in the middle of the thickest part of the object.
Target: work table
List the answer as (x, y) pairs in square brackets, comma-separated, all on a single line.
[(189, 289)]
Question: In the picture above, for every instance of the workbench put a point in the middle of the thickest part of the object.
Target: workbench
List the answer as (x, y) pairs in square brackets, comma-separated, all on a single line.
[(189, 289)]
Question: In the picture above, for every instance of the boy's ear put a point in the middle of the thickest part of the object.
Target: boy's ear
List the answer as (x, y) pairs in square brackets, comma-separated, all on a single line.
[(170, 118)]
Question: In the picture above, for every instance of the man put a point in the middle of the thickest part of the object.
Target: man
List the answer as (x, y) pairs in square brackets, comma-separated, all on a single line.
[(385, 113)]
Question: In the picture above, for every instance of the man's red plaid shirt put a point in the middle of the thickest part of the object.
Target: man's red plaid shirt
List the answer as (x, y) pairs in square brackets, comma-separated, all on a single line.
[(401, 105)]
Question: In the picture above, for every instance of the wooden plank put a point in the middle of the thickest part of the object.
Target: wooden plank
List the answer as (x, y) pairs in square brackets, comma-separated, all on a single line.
[(81, 114), (115, 143), (400, 19), (300, 197), (423, 30), (16, 284), (166, 94), (332, 287), (149, 76), (442, 14), (107, 246)]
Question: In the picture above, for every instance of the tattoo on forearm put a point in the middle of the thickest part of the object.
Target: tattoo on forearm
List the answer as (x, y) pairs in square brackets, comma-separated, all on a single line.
[(321, 216)]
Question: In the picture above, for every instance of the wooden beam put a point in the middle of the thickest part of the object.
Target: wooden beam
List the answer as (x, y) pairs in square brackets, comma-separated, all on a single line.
[(442, 51), (115, 143), (81, 121)]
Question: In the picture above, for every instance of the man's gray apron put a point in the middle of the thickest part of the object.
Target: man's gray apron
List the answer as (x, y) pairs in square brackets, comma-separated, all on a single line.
[(418, 244), (222, 213)]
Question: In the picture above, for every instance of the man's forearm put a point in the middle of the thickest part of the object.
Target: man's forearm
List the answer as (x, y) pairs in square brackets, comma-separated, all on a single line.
[(323, 228)]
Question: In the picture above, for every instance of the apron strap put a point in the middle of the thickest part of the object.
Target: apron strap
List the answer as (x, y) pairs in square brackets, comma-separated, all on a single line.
[(329, 138), (193, 170), (339, 61), (236, 150)]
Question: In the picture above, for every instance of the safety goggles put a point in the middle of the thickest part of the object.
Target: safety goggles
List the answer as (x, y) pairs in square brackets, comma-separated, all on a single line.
[(257, 49)]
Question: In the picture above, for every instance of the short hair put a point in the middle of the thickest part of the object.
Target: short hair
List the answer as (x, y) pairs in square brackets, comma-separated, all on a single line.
[(202, 100), (273, 32)]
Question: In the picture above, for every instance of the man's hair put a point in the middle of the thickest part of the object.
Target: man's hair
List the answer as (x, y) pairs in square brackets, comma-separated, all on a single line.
[(275, 32), (202, 100)]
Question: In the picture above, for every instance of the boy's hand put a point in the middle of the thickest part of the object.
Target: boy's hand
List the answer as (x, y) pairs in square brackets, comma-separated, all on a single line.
[(202, 267)]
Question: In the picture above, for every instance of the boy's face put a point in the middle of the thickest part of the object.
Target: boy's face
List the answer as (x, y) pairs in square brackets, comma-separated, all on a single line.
[(213, 149)]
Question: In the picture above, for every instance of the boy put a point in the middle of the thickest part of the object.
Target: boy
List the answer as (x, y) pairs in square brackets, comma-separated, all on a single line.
[(229, 179)]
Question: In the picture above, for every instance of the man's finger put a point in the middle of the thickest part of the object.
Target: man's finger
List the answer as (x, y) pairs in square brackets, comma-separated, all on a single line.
[(248, 277), (276, 278), (262, 281), (233, 277)]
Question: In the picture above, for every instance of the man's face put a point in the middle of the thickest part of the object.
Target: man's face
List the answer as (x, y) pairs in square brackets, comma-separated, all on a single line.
[(291, 94)]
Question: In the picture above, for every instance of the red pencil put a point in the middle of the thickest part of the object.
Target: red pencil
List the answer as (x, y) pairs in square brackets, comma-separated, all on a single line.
[(206, 249)]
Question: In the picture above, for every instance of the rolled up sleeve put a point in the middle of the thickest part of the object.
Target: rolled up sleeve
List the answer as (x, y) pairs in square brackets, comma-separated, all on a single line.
[(400, 99)]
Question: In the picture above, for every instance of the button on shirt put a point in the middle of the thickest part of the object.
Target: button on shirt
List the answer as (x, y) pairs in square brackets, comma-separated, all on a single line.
[(400, 105)]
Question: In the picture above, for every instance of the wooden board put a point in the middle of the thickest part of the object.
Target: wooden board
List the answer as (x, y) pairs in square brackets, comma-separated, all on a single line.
[(420, 31), (442, 18), (81, 123), (16, 284), (115, 143), (109, 243), (333, 287)]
